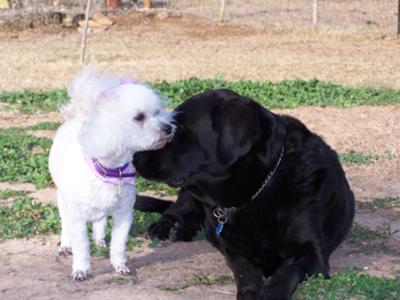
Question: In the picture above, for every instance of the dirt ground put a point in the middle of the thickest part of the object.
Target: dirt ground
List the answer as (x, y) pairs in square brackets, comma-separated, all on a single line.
[(160, 46), (153, 47)]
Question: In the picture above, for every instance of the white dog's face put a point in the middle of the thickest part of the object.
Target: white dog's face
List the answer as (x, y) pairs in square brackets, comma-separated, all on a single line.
[(126, 119)]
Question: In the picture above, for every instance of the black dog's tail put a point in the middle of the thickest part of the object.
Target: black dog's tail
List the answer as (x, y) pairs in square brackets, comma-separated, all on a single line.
[(150, 204)]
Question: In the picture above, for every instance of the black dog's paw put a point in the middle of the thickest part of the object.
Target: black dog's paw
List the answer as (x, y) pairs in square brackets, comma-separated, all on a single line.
[(268, 293), (159, 230), (182, 232), (247, 295)]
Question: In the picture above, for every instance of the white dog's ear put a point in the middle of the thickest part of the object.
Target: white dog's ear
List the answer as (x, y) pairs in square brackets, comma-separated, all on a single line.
[(107, 95), (98, 138), (87, 89)]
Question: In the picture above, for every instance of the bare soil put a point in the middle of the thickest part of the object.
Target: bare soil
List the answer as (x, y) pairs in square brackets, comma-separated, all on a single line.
[(155, 46), (175, 46)]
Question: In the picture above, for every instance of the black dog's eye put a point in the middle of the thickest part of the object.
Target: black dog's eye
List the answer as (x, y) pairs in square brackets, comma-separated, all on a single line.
[(140, 117)]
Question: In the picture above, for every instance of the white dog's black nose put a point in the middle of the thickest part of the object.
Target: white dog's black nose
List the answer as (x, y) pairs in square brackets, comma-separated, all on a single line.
[(167, 128)]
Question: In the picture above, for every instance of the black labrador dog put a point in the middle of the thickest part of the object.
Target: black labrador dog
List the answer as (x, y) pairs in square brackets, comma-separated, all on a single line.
[(271, 195)]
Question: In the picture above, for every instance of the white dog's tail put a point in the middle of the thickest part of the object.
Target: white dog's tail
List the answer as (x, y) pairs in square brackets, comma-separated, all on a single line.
[(86, 88)]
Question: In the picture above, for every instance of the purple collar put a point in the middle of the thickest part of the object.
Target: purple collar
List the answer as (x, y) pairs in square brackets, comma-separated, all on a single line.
[(124, 174)]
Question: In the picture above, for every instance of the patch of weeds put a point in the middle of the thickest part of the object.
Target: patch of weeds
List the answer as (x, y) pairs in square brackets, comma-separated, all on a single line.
[(116, 279), (161, 189), (358, 158), (44, 126), (205, 279), (170, 288), (362, 233), (24, 158), (379, 203), (284, 94), (371, 23), (141, 221), (200, 236), (27, 218), (9, 193), (368, 240), (348, 285), (32, 102), (201, 279)]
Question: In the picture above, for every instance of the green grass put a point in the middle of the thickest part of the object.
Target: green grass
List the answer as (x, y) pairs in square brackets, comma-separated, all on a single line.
[(44, 126), (9, 193), (160, 189), (285, 94), (120, 280), (378, 203), (359, 158), (26, 218), (341, 286), (200, 279), (140, 224), (367, 240), (349, 285), (31, 102), (23, 157)]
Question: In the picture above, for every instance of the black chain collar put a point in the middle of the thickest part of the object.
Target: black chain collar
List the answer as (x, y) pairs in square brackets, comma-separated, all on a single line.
[(222, 214)]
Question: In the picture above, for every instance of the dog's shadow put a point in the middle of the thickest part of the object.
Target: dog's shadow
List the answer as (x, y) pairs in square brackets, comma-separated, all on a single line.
[(169, 252)]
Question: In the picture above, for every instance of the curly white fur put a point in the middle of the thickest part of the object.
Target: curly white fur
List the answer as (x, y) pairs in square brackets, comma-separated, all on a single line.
[(109, 120)]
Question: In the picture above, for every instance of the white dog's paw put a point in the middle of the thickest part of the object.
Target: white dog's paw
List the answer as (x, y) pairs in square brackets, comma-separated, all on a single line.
[(101, 244), (64, 251), (123, 270), (79, 275)]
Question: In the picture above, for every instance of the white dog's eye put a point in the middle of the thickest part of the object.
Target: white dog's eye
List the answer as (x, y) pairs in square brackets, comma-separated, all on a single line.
[(157, 112), (140, 117)]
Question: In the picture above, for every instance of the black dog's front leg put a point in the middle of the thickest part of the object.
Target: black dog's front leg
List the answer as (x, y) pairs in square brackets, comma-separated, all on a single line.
[(247, 276), (286, 278), (181, 221)]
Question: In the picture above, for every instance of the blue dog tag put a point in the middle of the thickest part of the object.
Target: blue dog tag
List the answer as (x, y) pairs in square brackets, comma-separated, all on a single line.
[(219, 228)]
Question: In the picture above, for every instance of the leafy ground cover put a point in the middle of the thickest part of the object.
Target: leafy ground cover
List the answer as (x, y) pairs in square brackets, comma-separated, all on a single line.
[(24, 158), (349, 285), (284, 94), (26, 218)]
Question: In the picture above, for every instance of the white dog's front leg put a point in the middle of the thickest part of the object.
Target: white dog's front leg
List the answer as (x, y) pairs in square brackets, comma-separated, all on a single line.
[(80, 249), (65, 246), (99, 232), (122, 221)]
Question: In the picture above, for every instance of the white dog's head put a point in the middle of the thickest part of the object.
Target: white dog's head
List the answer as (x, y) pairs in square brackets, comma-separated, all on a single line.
[(120, 116)]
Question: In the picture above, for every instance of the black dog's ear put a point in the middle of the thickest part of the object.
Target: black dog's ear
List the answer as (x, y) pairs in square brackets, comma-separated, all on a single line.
[(238, 126)]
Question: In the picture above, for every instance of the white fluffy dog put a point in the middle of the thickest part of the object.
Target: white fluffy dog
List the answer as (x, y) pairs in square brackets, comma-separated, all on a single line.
[(108, 119)]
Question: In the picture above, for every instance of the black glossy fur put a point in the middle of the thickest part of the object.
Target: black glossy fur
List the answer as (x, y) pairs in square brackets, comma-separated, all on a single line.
[(223, 150)]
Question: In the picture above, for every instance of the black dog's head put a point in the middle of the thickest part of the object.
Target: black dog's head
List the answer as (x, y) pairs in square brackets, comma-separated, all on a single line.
[(214, 130)]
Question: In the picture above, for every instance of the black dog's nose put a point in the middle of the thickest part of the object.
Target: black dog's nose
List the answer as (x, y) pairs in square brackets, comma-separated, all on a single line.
[(167, 129)]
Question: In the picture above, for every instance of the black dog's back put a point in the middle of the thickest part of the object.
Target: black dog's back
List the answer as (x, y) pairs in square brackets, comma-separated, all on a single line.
[(338, 202)]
